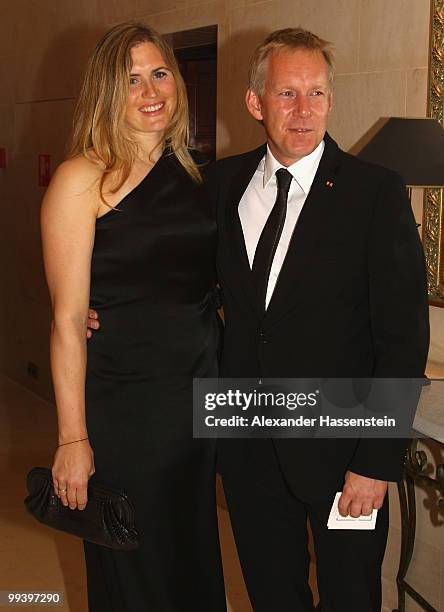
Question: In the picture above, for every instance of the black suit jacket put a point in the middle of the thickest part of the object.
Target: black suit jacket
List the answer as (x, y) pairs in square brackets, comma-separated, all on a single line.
[(350, 301)]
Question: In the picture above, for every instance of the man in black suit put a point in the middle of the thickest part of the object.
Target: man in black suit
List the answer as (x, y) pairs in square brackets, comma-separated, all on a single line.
[(322, 275)]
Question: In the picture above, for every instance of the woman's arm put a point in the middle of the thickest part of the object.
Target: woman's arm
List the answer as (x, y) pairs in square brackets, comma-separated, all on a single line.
[(68, 218)]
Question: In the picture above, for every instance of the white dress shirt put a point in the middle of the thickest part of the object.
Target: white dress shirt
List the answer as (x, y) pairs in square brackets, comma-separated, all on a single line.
[(259, 198)]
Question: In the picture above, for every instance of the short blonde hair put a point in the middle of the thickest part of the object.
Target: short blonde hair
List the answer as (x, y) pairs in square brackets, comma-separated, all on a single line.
[(288, 39), (99, 119)]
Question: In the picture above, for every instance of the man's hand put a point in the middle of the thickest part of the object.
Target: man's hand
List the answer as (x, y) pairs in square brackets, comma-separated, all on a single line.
[(93, 322), (360, 495)]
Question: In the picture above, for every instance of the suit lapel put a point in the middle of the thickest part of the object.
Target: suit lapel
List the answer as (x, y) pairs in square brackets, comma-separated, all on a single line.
[(233, 242), (304, 238)]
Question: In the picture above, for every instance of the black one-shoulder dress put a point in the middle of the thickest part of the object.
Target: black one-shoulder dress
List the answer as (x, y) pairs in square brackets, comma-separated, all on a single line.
[(152, 281)]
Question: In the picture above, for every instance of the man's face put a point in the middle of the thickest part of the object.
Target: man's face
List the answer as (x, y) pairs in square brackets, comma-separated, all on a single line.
[(295, 103)]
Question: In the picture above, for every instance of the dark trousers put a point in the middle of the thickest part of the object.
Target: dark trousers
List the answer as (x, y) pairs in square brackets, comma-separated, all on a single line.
[(270, 527)]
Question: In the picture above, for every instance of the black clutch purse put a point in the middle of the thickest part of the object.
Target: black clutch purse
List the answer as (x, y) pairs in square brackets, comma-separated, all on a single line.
[(108, 518)]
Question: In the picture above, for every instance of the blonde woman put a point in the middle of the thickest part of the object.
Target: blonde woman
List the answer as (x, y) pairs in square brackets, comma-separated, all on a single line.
[(127, 228)]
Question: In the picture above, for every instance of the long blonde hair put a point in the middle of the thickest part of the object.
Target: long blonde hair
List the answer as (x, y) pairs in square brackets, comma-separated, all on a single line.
[(99, 118)]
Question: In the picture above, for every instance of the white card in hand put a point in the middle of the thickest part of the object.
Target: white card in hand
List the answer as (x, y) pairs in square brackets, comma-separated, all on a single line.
[(336, 521)]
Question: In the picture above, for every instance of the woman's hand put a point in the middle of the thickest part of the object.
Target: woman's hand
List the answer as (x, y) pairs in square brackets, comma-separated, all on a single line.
[(73, 467)]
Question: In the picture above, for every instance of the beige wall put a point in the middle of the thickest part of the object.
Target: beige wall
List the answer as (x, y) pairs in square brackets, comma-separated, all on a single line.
[(381, 49), (381, 53)]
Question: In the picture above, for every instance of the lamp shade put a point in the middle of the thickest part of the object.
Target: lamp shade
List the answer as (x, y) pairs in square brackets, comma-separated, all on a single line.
[(412, 147)]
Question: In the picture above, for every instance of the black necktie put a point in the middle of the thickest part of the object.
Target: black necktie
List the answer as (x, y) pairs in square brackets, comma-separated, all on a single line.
[(269, 239)]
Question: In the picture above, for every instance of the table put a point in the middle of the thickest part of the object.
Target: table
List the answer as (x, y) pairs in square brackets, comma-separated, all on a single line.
[(429, 422)]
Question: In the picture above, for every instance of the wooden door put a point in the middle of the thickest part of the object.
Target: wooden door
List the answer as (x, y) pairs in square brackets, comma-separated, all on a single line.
[(198, 66)]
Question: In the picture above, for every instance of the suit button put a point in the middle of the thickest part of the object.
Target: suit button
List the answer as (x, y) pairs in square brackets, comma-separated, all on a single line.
[(263, 338)]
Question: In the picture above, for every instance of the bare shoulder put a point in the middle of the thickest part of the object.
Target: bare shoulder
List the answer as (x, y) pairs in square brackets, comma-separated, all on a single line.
[(78, 175), (75, 182)]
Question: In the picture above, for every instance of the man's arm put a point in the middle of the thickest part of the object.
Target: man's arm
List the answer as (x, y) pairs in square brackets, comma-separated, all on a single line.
[(400, 330)]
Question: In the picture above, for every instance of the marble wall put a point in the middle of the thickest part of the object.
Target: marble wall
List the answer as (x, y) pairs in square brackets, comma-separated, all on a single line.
[(382, 57)]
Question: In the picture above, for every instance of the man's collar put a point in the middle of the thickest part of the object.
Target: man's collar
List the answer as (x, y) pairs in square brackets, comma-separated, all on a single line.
[(303, 171)]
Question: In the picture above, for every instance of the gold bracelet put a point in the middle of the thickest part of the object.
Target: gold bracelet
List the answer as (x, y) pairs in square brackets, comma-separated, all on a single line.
[(73, 442)]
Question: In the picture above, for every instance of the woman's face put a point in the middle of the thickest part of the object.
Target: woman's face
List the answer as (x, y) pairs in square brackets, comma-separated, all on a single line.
[(152, 95)]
